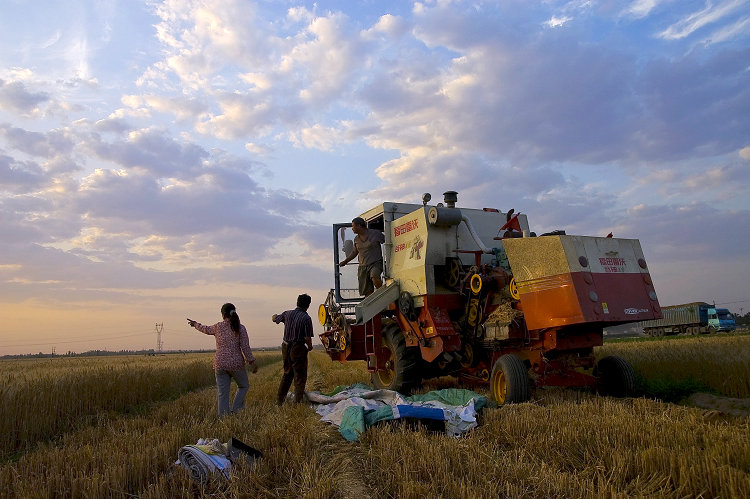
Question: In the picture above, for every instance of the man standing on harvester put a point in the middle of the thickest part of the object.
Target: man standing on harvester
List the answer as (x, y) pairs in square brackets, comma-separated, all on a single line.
[(298, 333), (367, 249)]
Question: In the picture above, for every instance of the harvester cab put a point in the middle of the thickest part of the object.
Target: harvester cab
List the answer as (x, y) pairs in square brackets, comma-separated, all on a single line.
[(474, 294)]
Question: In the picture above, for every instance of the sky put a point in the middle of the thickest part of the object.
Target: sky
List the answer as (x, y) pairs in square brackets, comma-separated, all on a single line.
[(160, 158)]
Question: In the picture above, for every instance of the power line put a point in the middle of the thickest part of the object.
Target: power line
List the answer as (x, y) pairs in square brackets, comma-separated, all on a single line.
[(733, 302)]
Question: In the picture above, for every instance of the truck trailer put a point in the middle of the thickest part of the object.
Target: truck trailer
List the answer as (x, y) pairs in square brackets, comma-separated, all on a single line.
[(690, 318), (473, 293)]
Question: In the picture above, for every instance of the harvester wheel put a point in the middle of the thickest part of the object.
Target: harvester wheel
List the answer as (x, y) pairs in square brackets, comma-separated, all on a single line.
[(402, 369), (615, 377), (509, 381)]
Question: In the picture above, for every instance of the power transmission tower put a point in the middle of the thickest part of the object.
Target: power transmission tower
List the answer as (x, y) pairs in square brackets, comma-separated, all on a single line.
[(159, 329)]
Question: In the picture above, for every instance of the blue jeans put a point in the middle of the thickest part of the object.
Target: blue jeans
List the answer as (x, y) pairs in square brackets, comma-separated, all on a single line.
[(223, 380)]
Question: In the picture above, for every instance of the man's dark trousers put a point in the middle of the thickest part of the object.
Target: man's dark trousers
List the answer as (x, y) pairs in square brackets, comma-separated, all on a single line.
[(295, 368)]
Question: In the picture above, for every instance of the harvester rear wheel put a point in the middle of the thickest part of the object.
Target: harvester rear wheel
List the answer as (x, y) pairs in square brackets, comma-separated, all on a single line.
[(402, 368), (509, 381), (615, 377)]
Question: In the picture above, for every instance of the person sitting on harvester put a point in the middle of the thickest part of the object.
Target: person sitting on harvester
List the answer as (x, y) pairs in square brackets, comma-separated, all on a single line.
[(367, 249)]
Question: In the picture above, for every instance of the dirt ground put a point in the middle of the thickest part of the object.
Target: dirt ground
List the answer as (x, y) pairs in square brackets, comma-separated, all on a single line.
[(719, 407)]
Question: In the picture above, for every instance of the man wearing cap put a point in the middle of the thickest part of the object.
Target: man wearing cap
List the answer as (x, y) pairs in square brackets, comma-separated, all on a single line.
[(367, 248), (298, 332)]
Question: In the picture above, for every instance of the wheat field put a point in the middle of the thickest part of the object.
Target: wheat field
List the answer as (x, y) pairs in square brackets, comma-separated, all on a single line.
[(563, 443)]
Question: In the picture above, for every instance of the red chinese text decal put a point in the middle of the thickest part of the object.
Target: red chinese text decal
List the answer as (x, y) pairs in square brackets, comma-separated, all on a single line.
[(613, 265), (405, 227)]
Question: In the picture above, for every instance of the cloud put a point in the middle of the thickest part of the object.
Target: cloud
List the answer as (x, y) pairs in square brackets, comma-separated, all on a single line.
[(542, 98), (697, 20), (641, 8), (247, 79), (190, 109), (20, 176), (388, 25), (525, 104), (327, 59), (157, 213), (556, 22), (317, 137), (153, 151), (243, 115), (14, 96), (37, 212), (693, 106), (139, 204), (686, 232), (202, 40), (724, 33), (258, 149), (46, 145)]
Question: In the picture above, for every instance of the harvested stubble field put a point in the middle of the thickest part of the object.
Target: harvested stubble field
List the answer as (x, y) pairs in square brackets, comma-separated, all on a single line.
[(120, 438)]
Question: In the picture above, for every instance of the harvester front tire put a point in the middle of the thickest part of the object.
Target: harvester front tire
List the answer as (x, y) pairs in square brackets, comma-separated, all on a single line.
[(403, 374), (509, 381), (615, 377)]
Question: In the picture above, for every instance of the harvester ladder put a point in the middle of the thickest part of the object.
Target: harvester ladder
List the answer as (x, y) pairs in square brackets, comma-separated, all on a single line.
[(369, 338)]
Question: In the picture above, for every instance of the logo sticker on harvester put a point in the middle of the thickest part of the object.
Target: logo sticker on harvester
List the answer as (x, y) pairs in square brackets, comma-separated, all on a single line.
[(604, 306), (416, 249), (635, 311)]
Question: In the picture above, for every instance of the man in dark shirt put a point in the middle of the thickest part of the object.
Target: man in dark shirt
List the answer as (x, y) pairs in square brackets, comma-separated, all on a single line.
[(298, 332)]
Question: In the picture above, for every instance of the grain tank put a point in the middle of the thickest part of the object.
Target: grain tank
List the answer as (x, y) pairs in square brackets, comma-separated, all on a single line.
[(474, 294)]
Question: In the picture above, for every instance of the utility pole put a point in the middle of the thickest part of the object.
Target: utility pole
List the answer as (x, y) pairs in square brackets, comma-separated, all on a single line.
[(159, 329)]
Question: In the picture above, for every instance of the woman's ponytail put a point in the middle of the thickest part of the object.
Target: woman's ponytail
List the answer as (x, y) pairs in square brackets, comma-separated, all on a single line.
[(228, 310)]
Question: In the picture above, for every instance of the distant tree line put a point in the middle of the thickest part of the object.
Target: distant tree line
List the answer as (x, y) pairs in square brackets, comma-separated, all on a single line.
[(97, 353), (100, 353), (742, 320)]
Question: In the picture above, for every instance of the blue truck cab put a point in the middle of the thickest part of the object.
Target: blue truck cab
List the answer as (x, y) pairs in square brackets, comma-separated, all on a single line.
[(718, 319)]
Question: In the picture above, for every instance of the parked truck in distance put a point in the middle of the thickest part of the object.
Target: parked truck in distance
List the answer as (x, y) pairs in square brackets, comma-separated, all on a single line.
[(690, 318)]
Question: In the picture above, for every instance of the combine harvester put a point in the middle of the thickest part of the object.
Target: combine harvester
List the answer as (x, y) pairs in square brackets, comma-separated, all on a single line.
[(472, 293)]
